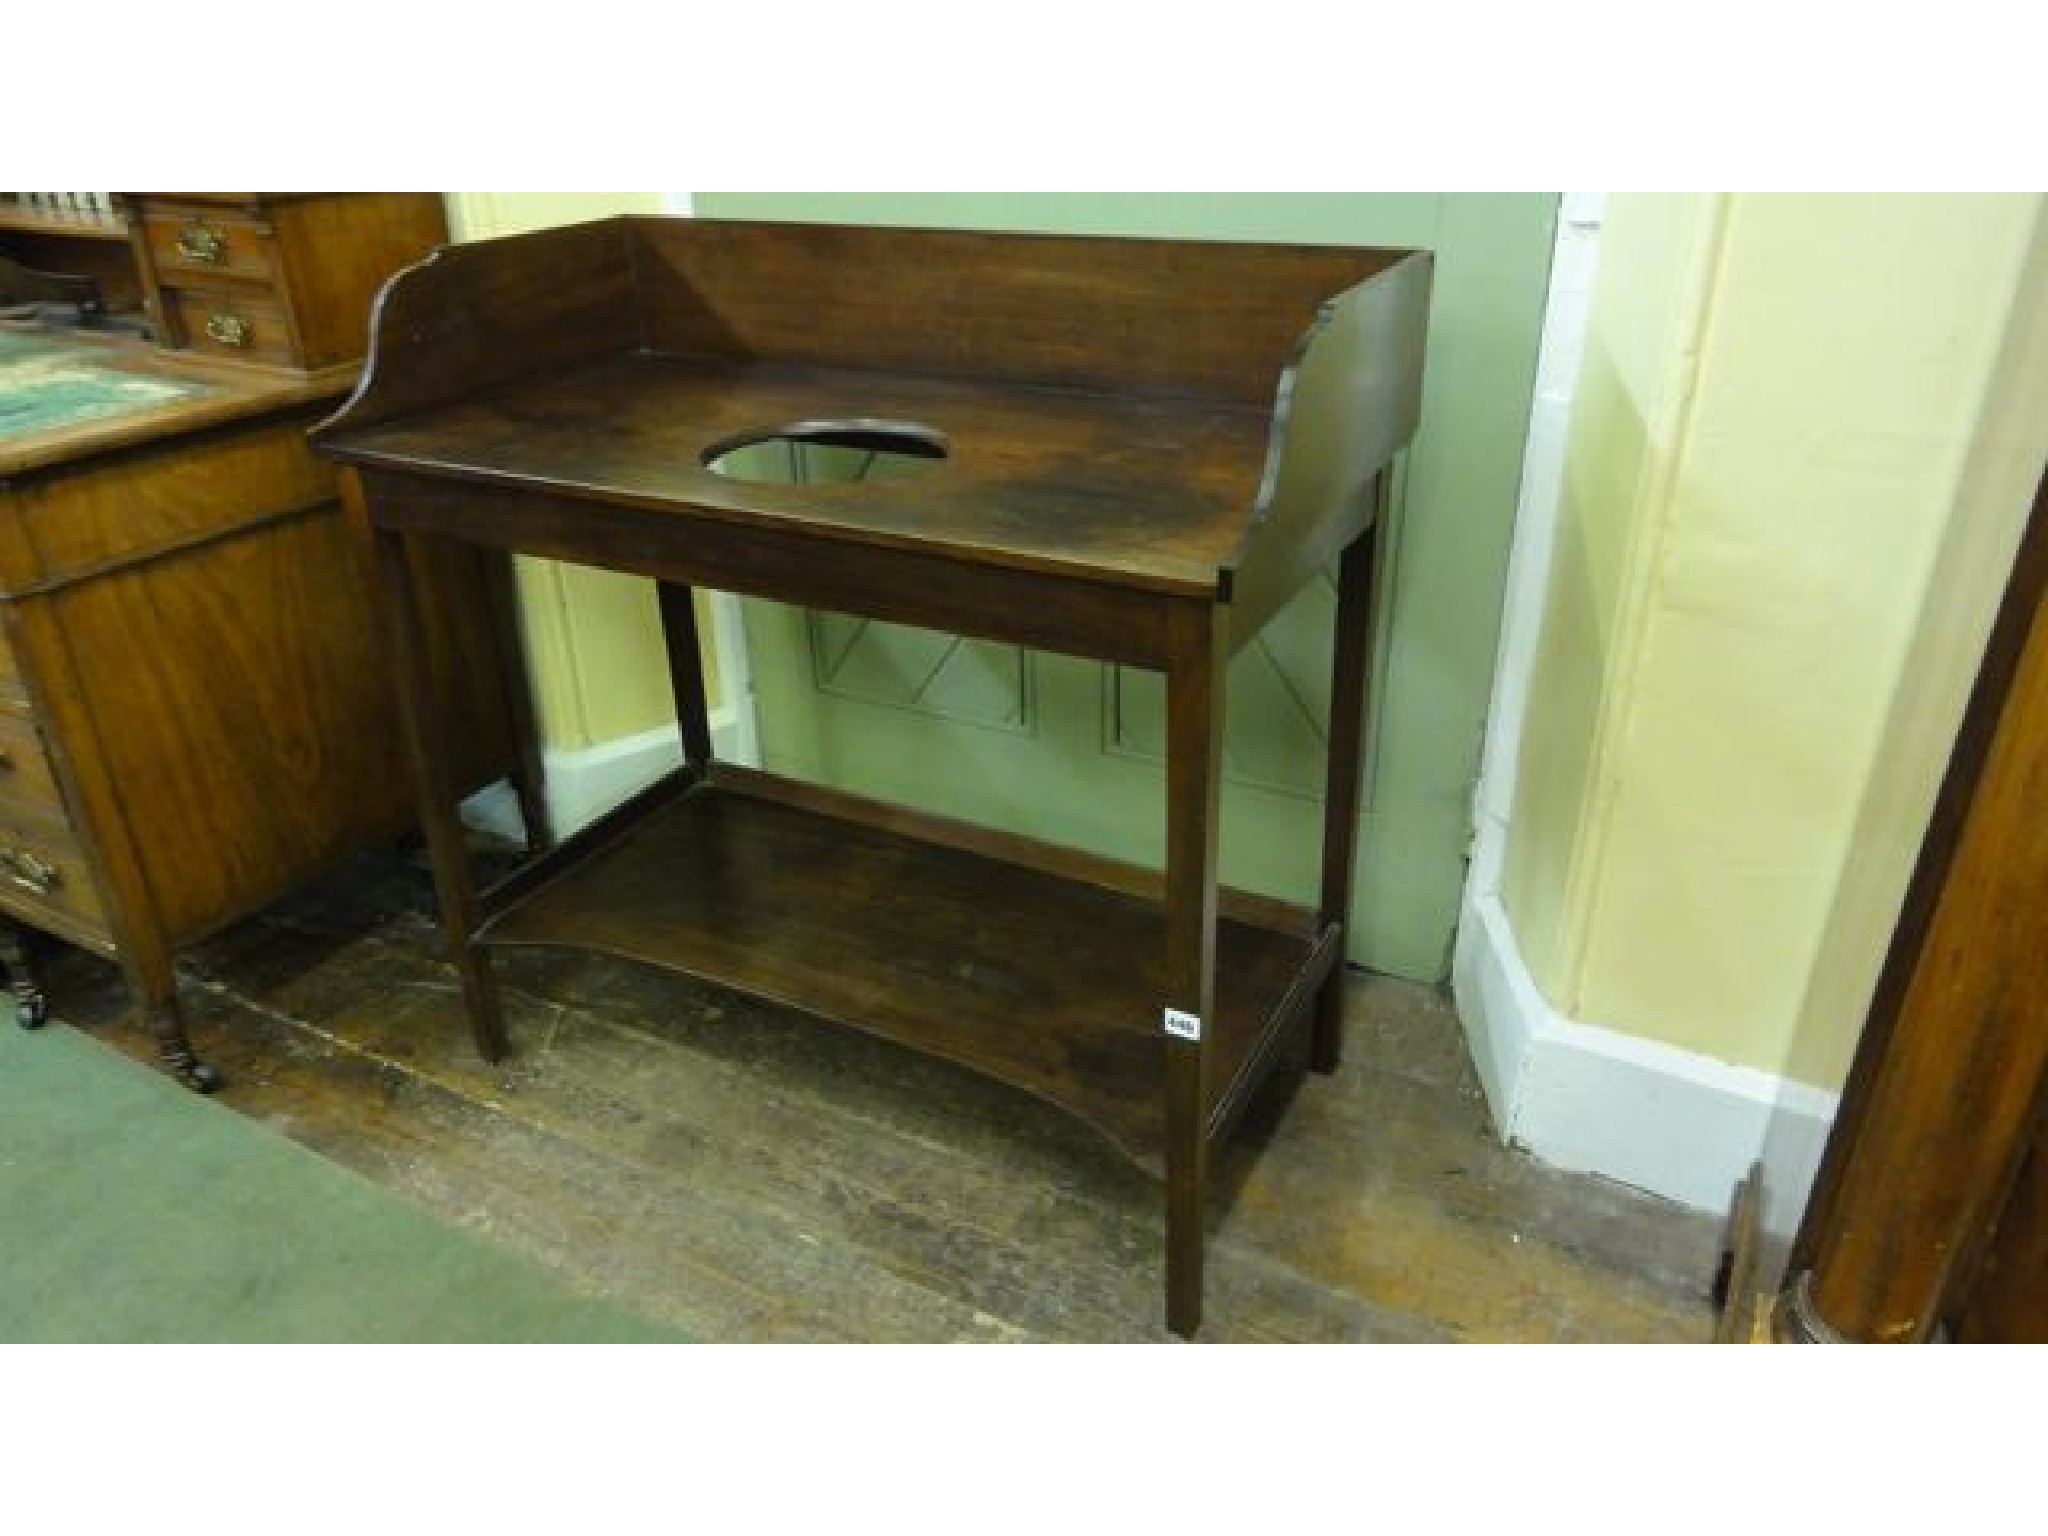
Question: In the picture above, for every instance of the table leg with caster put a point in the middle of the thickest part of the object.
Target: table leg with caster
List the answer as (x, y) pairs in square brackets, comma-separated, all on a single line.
[(153, 985), (24, 976)]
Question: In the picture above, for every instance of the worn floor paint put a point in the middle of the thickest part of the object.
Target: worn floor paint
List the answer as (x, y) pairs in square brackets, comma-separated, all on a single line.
[(741, 1173)]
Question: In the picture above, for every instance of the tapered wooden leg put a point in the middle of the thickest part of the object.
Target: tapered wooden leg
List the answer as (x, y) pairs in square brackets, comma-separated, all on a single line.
[(434, 790), (686, 672), (1194, 747), (528, 776), (1350, 674)]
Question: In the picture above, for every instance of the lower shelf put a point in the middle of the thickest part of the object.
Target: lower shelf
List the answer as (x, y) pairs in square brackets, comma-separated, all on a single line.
[(911, 928)]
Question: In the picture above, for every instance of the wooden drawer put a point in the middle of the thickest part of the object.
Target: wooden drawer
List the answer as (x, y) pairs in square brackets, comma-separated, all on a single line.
[(187, 243), (45, 875), (110, 514), (28, 782), (245, 327)]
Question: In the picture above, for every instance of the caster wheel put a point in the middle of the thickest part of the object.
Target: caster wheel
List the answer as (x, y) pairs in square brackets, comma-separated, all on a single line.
[(32, 1012), (199, 1077)]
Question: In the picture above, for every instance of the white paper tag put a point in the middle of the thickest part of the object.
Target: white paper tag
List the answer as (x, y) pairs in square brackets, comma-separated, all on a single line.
[(1188, 1026)]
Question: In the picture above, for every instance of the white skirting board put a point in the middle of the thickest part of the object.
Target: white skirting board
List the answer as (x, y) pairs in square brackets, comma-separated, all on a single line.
[(1641, 1113), (583, 784)]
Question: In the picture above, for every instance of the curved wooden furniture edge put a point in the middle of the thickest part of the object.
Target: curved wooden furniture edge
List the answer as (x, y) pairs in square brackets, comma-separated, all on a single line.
[(1349, 365), (361, 397), (572, 305)]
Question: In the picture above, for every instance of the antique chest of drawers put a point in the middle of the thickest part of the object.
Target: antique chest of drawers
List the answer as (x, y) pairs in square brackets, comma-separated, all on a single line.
[(195, 710)]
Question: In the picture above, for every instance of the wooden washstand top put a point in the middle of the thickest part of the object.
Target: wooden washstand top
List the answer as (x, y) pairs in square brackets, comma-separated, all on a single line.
[(1180, 418)]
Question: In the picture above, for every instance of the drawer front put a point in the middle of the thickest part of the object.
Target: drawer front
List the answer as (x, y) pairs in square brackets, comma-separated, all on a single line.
[(198, 242), (244, 327), (28, 782), (44, 873)]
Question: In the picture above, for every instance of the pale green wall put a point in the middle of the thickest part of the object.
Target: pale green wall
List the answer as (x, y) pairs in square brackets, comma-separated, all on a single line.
[(1773, 425)]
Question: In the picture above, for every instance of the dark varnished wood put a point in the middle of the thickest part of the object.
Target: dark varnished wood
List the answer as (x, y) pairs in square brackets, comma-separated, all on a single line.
[(1350, 400), (1194, 774), (1349, 673), (1943, 1099), (490, 571), (1139, 880), (1071, 448), (2006, 1301), (1067, 614), (1073, 881), (1130, 437), (1100, 316), (436, 789), (474, 317), (594, 837), (949, 951), (686, 671), (1141, 493)]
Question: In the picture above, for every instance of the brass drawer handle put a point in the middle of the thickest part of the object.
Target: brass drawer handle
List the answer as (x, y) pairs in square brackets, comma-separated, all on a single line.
[(24, 869), (196, 242), (228, 330)]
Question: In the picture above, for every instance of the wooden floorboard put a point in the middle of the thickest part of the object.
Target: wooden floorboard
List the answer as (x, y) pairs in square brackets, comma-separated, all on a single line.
[(743, 1173)]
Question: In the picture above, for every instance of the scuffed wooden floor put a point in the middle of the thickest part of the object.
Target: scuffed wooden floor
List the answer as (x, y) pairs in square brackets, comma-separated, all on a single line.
[(745, 1174)]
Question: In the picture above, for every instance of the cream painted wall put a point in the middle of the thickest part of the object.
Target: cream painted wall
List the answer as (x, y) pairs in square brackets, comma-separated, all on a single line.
[(2000, 473), (1631, 389), (593, 638), (1775, 419)]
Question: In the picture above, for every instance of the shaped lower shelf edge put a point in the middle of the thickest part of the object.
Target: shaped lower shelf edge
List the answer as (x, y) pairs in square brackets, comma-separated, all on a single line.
[(1034, 965)]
